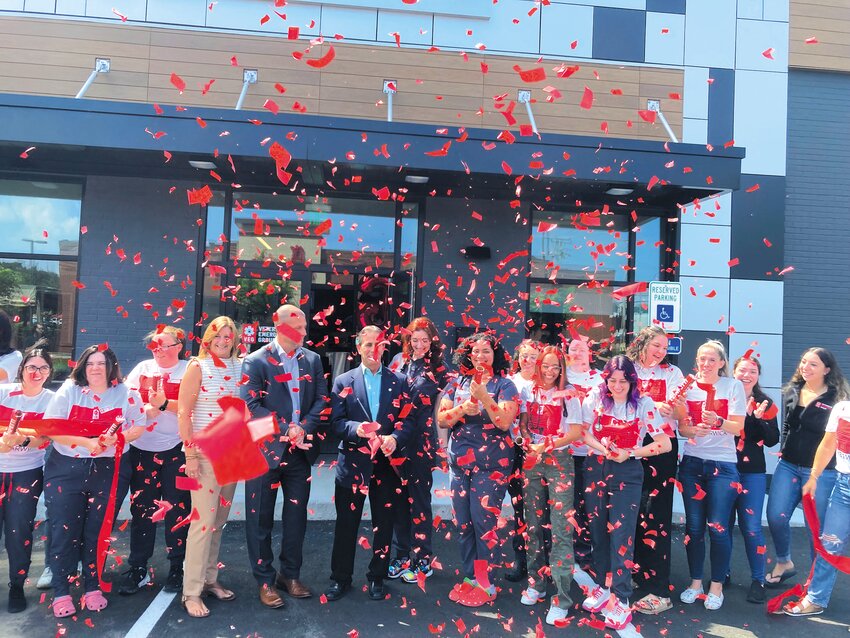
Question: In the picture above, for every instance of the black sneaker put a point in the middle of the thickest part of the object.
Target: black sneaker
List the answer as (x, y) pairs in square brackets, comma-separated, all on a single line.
[(17, 600), (519, 573), (756, 593), (134, 579), (174, 582)]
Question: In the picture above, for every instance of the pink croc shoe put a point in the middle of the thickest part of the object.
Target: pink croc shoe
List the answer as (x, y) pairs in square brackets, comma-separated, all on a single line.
[(63, 606), (95, 600)]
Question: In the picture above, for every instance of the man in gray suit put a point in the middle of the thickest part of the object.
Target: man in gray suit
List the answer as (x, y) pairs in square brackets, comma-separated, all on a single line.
[(286, 380)]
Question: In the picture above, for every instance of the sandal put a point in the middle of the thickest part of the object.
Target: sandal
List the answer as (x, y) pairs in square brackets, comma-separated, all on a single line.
[(772, 580), (217, 591), (194, 606), (802, 608), (95, 600), (63, 606), (653, 605)]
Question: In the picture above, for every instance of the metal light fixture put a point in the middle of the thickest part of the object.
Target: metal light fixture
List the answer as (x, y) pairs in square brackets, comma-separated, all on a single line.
[(101, 65), (416, 179), (619, 192), (249, 77), (655, 107), (203, 164)]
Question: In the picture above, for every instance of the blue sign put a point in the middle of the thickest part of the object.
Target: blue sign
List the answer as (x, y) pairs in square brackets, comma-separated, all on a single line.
[(674, 345), (665, 313)]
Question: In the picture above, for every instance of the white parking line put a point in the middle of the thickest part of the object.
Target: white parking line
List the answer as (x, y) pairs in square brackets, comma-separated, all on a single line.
[(146, 622)]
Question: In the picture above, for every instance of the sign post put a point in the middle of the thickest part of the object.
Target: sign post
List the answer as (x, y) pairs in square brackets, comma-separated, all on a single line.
[(665, 305)]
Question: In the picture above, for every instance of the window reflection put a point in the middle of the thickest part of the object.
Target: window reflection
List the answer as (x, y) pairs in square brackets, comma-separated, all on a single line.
[(39, 218)]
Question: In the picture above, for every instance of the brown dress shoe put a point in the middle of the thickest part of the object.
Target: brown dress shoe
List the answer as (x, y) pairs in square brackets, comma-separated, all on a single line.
[(270, 598), (293, 587)]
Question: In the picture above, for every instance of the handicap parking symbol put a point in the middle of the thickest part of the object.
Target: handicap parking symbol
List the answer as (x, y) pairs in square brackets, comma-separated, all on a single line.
[(664, 313)]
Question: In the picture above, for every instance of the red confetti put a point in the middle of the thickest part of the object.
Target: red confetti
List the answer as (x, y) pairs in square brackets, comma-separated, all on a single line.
[(323, 61), (587, 99), (272, 106), (178, 82)]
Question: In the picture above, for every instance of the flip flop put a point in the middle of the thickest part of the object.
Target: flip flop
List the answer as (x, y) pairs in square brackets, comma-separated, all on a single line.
[(789, 573)]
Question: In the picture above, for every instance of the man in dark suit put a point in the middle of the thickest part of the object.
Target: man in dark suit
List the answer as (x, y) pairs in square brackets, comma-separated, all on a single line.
[(371, 418), (285, 380)]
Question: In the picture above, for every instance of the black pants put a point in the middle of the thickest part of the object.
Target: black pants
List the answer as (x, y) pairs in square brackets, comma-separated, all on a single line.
[(76, 493), (260, 498), (151, 476), (653, 536), (414, 516), (18, 501), (384, 496), (581, 536)]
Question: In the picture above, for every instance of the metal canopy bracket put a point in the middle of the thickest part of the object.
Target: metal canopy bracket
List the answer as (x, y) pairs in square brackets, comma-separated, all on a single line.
[(390, 88), (655, 107), (524, 97), (249, 77), (101, 65)]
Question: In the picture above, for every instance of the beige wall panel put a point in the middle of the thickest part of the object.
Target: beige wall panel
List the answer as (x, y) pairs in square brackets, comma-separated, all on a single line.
[(829, 22)]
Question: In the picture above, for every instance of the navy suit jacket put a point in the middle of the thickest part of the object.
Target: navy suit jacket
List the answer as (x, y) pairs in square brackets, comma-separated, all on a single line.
[(351, 408), (265, 396)]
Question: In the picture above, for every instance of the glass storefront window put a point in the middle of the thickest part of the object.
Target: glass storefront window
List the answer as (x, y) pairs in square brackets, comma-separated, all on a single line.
[(581, 244), (555, 311), (40, 298), (648, 249), (409, 236), (312, 230), (40, 218), (215, 237)]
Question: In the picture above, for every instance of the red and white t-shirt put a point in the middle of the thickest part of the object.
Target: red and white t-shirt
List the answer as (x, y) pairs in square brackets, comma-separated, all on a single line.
[(161, 431), (76, 402), (660, 383), (583, 382), (729, 399), (622, 426), (839, 422), (20, 459), (545, 410)]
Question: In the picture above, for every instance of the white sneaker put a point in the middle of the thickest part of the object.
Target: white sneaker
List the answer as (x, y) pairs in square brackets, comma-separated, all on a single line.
[(556, 615), (597, 600), (689, 596), (45, 581), (713, 602), (618, 616), (582, 578), (531, 597)]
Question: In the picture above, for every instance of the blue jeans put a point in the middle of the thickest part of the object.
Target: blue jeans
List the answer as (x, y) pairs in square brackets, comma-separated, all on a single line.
[(749, 506), (834, 533), (715, 508), (786, 492)]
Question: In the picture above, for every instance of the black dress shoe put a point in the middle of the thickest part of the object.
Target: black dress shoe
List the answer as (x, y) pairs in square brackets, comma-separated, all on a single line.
[(336, 590), (376, 590), (518, 574)]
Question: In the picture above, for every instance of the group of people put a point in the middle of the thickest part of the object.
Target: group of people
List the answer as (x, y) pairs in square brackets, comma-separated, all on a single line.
[(590, 460)]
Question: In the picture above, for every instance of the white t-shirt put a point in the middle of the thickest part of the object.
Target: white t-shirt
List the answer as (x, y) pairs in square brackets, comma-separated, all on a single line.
[(161, 431), (583, 382), (839, 422), (730, 399), (660, 384), (75, 402), (521, 384), (10, 363), (545, 412), (622, 426), (20, 459)]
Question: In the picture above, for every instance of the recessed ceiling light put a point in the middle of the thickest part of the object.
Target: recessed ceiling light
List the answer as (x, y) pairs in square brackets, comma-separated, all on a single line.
[(619, 192), (416, 179), (202, 164)]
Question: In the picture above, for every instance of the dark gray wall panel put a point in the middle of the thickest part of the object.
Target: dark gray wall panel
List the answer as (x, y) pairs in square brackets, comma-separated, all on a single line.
[(619, 34), (756, 216)]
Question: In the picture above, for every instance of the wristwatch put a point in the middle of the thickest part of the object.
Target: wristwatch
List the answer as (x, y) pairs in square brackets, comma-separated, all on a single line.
[(164, 406)]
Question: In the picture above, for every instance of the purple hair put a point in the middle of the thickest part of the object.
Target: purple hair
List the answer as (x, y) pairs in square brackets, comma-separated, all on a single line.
[(624, 365)]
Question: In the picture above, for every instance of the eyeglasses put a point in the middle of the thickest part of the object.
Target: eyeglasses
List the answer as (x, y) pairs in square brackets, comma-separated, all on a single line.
[(34, 369), (158, 347)]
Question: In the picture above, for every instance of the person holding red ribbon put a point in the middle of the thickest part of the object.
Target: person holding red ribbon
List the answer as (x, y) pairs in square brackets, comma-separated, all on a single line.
[(659, 380), (717, 405), (153, 462), (479, 408), (22, 465), (836, 521), (81, 474), (617, 420), (550, 420), (761, 430), (215, 373)]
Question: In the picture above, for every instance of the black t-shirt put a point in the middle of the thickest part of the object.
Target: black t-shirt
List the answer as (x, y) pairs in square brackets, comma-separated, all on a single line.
[(804, 428), (758, 434)]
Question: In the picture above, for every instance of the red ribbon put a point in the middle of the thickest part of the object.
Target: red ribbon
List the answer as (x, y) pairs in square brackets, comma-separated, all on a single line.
[(74, 427), (841, 563)]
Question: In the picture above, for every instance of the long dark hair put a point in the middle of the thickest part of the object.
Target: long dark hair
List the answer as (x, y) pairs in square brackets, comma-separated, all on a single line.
[(834, 379), (113, 371), (622, 363), (5, 334), (758, 394), (463, 359)]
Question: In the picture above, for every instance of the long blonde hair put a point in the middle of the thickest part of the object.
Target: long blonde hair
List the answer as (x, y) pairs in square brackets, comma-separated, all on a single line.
[(212, 330)]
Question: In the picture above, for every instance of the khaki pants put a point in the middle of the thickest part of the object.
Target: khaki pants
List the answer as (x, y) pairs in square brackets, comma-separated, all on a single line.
[(549, 485), (204, 538)]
